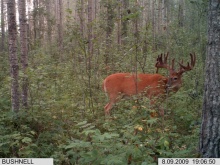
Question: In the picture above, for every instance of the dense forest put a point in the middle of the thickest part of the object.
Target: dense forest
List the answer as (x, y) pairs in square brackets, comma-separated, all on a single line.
[(54, 57)]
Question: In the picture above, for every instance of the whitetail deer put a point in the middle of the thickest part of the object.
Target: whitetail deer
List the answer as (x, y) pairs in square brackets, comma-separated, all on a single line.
[(153, 86)]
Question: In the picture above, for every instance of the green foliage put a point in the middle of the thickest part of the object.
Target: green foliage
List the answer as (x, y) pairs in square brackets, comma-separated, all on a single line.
[(25, 135), (65, 119)]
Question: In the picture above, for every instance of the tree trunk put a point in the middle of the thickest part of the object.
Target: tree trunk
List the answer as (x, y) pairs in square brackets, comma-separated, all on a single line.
[(210, 127), (29, 22), (60, 27), (154, 25), (81, 17), (12, 37), (24, 50), (126, 12), (119, 24), (109, 29), (159, 19), (90, 50), (41, 23), (49, 20), (180, 13), (36, 20), (90, 30), (163, 15), (2, 25), (168, 9)]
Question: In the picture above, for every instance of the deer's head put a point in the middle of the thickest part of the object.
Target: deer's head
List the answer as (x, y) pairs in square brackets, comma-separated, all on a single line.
[(174, 79)]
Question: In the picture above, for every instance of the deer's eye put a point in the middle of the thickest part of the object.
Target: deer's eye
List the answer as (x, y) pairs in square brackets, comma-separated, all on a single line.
[(174, 78)]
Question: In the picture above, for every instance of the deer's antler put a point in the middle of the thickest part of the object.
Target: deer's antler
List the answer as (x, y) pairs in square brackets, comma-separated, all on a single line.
[(189, 66), (162, 62)]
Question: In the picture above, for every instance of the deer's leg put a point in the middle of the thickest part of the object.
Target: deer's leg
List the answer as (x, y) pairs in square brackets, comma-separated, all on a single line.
[(108, 107), (112, 100)]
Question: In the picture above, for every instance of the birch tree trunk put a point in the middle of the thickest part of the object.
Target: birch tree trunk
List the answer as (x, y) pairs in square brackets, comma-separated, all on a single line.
[(24, 50), (210, 127), (2, 25), (12, 37), (36, 20)]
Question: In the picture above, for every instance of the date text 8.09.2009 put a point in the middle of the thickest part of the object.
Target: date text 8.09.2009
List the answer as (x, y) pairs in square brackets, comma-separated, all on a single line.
[(188, 161)]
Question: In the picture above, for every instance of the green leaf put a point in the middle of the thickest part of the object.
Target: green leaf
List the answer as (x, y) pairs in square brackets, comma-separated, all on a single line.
[(78, 144), (87, 132), (152, 121), (26, 140), (81, 123), (110, 135)]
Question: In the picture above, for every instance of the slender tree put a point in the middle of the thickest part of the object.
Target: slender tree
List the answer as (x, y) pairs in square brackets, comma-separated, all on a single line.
[(36, 19), (30, 20), (90, 50), (49, 24), (163, 14), (60, 26), (14, 68), (159, 16), (181, 14), (168, 10), (2, 26), (119, 23), (109, 28), (126, 11), (24, 50), (81, 17), (90, 29), (210, 127), (154, 24)]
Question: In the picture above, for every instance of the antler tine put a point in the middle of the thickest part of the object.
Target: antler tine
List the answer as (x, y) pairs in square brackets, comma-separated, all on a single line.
[(181, 61), (159, 61), (193, 59), (173, 61), (160, 58), (165, 57)]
